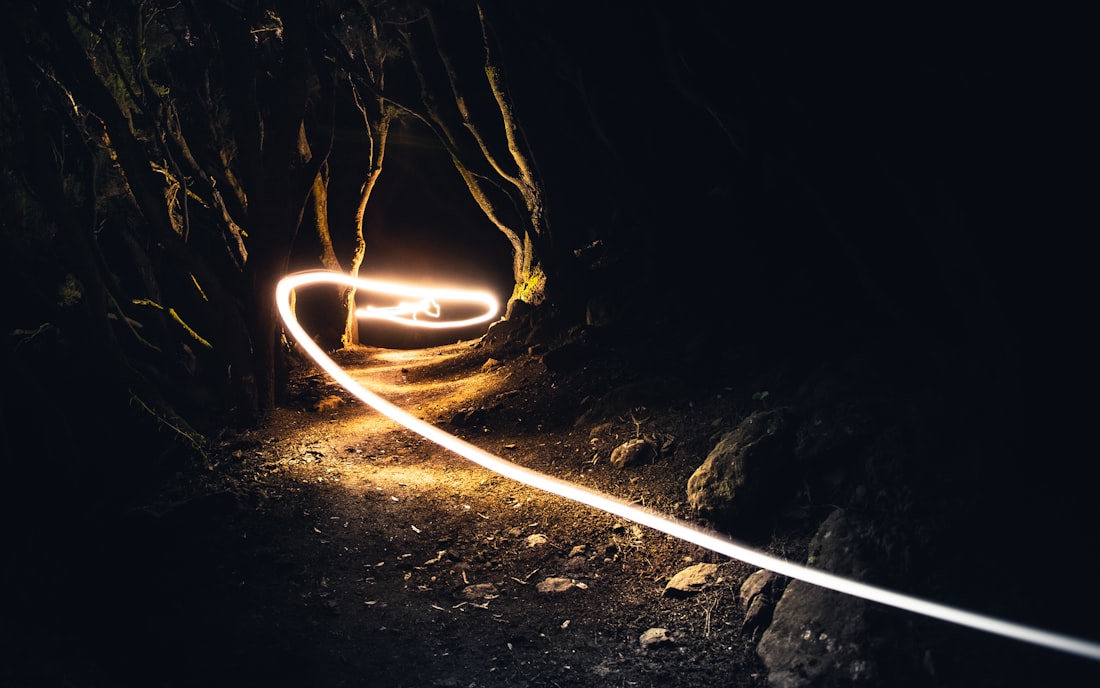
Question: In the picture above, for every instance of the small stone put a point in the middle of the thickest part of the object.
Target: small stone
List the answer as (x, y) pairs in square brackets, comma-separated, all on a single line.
[(655, 638), (633, 452), (536, 539), (555, 585), (574, 564), (758, 615), (691, 580), (758, 583), (479, 591)]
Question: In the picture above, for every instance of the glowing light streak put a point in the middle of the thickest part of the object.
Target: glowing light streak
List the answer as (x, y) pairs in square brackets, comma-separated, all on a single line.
[(660, 522), (426, 306), (427, 303)]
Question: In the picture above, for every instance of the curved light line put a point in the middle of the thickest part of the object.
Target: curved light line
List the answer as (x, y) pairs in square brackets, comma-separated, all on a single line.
[(406, 312), (660, 522)]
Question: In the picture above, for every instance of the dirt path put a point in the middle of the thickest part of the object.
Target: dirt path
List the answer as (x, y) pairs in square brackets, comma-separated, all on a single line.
[(369, 556)]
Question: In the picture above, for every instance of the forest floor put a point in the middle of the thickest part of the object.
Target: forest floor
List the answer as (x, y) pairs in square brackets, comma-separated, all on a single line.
[(332, 547), (367, 555)]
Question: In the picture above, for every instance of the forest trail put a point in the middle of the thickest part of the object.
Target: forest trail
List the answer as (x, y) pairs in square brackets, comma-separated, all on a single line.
[(384, 555)]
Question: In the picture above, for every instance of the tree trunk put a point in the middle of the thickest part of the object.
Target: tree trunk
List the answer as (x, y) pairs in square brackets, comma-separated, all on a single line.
[(75, 71), (378, 131), (279, 179), (346, 295), (81, 253), (529, 234)]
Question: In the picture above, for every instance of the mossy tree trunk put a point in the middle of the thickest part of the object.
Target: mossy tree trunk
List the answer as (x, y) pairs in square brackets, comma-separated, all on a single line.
[(480, 130), (365, 51), (196, 112)]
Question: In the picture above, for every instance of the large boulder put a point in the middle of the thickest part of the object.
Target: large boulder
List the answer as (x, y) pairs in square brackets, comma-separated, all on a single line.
[(820, 638), (747, 473)]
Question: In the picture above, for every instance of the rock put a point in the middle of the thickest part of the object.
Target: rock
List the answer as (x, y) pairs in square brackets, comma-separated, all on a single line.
[(745, 474), (759, 583), (479, 591), (555, 585), (818, 637), (490, 364), (536, 539), (758, 615), (598, 430), (506, 335), (655, 638), (757, 596), (467, 417), (633, 452), (691, 580), (575, 564)]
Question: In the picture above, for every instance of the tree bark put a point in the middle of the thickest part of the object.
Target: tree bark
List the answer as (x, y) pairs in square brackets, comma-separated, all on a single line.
[(277, 180), (71, 65), (46, 180), (532, 253)]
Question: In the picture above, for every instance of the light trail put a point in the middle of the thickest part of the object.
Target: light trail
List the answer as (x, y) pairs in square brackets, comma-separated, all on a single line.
[(427, 303), (660, 522)]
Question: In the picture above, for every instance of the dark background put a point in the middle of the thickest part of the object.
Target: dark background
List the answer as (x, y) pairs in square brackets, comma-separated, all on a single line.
[(911, 186), (801, 178)]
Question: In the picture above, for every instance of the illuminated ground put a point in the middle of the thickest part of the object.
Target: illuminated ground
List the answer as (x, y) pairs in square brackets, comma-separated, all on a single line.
[(368, 540), (331, 548)]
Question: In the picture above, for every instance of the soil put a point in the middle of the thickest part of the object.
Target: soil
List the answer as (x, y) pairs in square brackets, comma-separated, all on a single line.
[(371, 556), (332, 547)]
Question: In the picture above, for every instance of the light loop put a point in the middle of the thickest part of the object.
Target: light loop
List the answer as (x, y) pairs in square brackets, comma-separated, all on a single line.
[(405, 314)]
